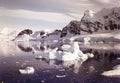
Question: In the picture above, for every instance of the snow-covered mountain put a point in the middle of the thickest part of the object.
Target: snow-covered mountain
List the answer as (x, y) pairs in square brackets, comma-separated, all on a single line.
[(105, 20), (23, 35), (45, 35), (8, 33), (79, 27), (27, 34), (73, 28)]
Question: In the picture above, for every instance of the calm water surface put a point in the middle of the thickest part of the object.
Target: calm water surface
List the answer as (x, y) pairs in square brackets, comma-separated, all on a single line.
[(14, 56)]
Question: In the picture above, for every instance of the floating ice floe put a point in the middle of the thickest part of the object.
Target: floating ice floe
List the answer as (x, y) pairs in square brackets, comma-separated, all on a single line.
[(65, 47), (42, 81), (116, 67), (27, 70), (87, 40), (90, 55), (118, 58), (60, 76), (72, 53), (112, 73), (17, 62)]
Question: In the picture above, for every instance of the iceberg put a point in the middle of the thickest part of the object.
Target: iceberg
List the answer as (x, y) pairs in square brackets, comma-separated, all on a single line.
[(65, 47), (73, 53)]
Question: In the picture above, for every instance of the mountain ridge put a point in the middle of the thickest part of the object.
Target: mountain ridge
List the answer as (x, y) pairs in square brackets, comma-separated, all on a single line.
[(104, 21)]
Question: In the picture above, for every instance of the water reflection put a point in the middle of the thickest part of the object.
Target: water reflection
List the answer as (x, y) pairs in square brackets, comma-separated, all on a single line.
[(25, 49), (52, 71), (34, 47), (75, 64), (42, 46), (114, 46)]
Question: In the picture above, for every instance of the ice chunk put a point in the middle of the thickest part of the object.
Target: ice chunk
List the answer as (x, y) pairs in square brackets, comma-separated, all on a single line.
[(27, 70), (118, 58), (52, 54), (90, 55), (60, 76), (113, 73), (42, 81), (17, 62), (73, 53), (62, 70), (39, 57), (116, 67), (65, 47), (87, 40)]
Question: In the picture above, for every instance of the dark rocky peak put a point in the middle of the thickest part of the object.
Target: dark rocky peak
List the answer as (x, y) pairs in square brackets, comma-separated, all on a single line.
[(26, 31), (72, 28)]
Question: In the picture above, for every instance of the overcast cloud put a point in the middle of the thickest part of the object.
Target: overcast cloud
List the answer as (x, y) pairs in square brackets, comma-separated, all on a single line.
[(47, 13)]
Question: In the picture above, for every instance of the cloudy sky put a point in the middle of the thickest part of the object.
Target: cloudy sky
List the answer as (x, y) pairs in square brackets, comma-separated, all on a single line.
[(47, 14)]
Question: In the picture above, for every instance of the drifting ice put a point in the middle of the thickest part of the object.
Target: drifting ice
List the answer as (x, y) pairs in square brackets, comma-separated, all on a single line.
[(112, 73), (27, 70), (72, 53)]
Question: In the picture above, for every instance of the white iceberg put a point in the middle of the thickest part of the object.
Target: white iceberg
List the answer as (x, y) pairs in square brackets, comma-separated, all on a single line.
[(112, 73), (65, 47), (27, 70), (72, 53), (89, 55)]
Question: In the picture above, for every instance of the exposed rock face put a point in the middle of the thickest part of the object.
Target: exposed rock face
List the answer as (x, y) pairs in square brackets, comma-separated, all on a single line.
[(26, 31), (106, 20), (73, 27), (38, 34), (87, 24), (55, 32), (23, 34), (77, 27)]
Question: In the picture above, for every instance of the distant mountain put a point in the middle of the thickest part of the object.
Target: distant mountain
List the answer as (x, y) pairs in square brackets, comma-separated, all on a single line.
[(23, 35), (28, 34), (72, 28), (105, 20), (8, 33), (46, 35)]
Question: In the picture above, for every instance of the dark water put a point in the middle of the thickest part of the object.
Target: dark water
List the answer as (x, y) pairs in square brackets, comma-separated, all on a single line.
[(14, 56)]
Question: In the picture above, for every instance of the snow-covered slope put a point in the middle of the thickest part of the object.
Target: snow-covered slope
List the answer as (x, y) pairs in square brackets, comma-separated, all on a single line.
[(27, 34), (38, 35), (86, 23), (73, 28), (78, 27), (105, 20), (8, 33), (23, 35)]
